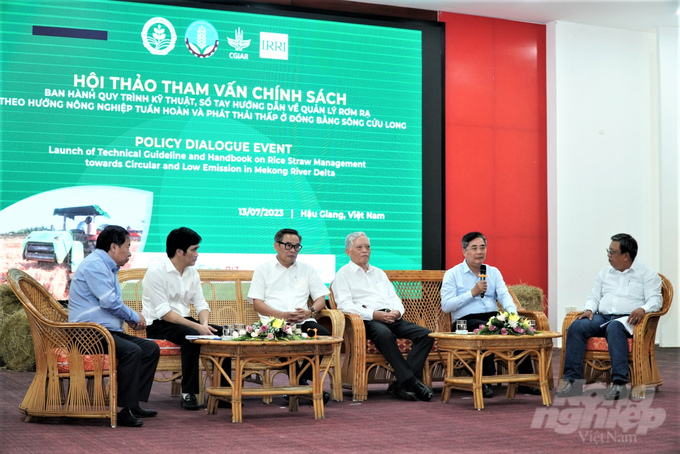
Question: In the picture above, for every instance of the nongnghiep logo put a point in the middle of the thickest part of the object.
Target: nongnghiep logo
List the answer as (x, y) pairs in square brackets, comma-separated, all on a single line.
[(598, 421)]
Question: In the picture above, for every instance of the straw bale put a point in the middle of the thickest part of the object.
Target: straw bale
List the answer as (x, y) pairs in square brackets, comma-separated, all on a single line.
[(16, 342), (530, 297), (9, 303)]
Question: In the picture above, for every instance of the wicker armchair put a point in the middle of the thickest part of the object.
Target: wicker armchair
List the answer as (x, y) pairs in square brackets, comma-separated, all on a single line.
[(226, 293), (363, 363), (72, 377), (642, 352), (420, 292)]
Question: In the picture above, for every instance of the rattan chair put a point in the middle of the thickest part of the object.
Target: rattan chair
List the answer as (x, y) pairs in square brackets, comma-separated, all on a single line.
[(420, 292), (642, 353), (363, 363), (72, 377), (226, 293)]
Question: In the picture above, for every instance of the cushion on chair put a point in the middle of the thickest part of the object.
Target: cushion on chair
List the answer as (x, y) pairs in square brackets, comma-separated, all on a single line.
[(167, 347), (599, 344), (405, 346), (88, 363)]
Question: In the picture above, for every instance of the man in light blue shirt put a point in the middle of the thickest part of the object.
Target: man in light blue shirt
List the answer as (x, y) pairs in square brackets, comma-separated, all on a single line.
[(95, 296), (468, 294)]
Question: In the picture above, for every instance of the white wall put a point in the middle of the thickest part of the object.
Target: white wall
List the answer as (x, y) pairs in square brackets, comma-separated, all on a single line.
[(669, 144), (603, 154)]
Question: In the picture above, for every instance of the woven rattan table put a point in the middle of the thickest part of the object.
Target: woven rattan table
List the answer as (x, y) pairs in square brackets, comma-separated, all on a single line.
[(270, 353), (461, 350)]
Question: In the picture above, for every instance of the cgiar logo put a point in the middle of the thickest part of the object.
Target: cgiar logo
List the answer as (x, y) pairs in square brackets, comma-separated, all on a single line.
[(201, 39), (158, 36), (238, 43)]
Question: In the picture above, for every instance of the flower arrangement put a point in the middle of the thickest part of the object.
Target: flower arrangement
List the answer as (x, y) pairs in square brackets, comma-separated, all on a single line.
[(271, 329), (507, 324)]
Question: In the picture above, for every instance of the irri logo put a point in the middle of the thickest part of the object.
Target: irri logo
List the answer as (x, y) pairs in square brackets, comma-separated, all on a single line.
[(274, 45)]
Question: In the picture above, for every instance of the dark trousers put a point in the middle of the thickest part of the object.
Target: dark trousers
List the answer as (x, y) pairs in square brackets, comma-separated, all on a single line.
[(175, 333), (385, 336), (320, 331), (488, 363), (617, 340), (137, 359)]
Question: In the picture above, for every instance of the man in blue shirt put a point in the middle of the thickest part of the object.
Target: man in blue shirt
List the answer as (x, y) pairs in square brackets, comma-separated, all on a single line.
[(466, 296), (95, 296)]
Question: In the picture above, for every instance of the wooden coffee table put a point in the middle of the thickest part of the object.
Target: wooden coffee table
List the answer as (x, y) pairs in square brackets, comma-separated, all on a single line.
[(466, 349), (270, 353)]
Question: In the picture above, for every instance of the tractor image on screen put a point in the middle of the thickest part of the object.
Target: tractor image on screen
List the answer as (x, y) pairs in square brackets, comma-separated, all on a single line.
[(68, 247)]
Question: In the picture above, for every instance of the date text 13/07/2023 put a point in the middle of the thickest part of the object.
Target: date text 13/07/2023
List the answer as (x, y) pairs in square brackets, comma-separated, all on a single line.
[(309, 214)]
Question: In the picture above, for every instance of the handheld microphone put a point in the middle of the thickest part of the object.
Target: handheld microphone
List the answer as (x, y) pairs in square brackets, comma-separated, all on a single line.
[(482, 277)]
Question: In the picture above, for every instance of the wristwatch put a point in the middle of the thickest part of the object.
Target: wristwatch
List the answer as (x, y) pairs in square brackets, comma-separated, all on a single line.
[(314, 312)]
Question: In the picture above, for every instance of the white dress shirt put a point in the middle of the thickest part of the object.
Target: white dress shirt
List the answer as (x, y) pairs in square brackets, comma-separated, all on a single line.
[(362, 292), (620, 293), (286, 289), (164, 289), (457, 296)]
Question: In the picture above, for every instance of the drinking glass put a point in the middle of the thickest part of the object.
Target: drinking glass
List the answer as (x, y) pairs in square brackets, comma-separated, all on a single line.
[(461, 327)]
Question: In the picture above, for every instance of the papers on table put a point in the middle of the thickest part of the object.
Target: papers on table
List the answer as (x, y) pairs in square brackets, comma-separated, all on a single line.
[(202, 336)]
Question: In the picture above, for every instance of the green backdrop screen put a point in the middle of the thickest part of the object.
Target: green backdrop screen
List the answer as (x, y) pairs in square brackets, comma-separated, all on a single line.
[(231, 123)]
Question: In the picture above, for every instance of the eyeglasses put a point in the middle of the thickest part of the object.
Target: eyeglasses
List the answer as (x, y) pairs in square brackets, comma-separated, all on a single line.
[(290, 246), (610, 252)]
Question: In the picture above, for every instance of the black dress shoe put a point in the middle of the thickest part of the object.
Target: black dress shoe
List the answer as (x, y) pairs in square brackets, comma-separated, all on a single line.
[(487, 391), (570, 388), (421, 391), (398, 391), (616, 392), (127, 419), (529, 390), (139, 412), (190, 402)]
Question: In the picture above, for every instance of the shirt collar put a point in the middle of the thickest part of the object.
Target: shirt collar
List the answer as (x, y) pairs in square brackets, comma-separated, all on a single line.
[(355, 268), (169, 266), (277, 263), (108, 261), (632, 269)]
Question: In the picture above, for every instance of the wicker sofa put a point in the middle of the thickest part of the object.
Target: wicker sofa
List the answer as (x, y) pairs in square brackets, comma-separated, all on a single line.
[(226, 293), (420, 292)]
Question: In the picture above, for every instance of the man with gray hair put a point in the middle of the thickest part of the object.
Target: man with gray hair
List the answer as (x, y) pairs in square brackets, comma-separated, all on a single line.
[(362, 289)]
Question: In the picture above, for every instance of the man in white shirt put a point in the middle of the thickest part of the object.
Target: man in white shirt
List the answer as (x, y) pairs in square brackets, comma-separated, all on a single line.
[(623, 293), (362, 289), (470, 294), (170, 287), (282, 286)]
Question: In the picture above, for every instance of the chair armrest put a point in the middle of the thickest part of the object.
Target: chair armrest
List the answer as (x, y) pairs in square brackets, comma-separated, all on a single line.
[(542, 323), (337, 321)]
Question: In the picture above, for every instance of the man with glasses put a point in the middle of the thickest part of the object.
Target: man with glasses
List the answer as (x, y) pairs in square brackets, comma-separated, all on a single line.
[(282, 286), (468, 294), (624, 291)]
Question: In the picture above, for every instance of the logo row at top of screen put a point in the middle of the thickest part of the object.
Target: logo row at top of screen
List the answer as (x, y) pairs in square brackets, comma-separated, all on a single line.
[(201, 39)]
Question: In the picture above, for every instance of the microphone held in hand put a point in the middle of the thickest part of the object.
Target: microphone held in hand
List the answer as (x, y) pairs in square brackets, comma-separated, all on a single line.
[(482, 277)]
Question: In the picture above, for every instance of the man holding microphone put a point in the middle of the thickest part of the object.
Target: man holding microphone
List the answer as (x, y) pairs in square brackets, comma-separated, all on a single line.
[(470, 291)]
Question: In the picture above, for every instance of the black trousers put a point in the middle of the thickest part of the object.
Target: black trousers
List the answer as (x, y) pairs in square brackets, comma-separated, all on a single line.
[(137, 360), (190, 352), (488, 363), (385, 336), (320, 331)]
